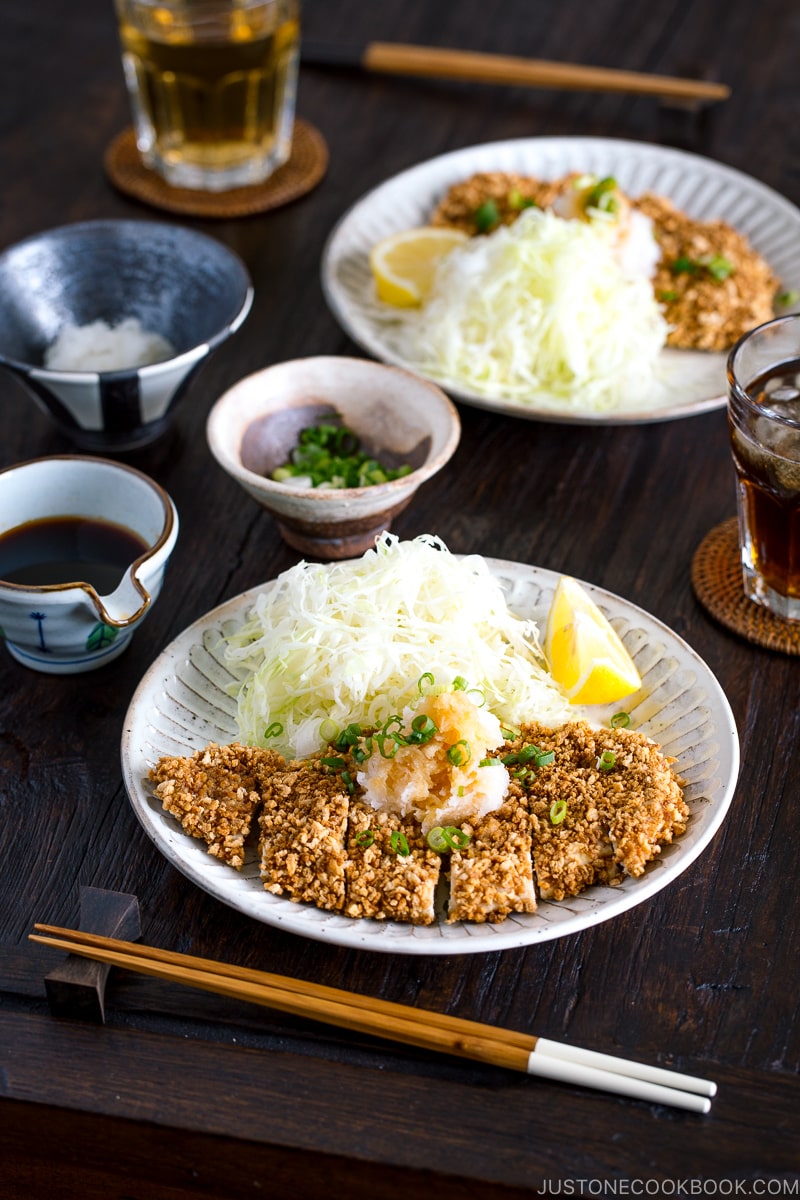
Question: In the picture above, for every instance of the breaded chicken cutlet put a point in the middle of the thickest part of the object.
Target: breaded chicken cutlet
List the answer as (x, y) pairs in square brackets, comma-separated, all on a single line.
[(392, 873), (215, 793), (492, 876), (602, 809), (302, 831), (577, 820)]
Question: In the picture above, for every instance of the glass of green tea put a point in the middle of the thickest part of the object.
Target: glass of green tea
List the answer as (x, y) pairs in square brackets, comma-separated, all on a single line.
[(764, 419), (212, 85)]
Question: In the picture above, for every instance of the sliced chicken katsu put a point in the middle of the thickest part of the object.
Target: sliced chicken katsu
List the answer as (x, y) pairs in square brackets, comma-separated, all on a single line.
[(492, 875), (214, 794), (303, 825), (391, 872), (601, 809)]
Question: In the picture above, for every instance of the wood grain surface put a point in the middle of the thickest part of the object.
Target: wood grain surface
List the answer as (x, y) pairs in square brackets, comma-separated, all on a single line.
[(182, 1094)]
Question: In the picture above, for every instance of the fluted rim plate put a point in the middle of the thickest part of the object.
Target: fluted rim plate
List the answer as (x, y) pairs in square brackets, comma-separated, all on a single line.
[(692, 382), (184, 702)]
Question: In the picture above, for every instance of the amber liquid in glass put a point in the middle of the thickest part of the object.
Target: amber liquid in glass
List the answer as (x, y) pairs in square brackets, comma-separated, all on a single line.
[(211, 97), (767, 459)]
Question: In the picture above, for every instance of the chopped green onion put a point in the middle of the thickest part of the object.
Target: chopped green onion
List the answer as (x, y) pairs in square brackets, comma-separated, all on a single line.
[(620, 720), (602, 197), (489, 762), (399, 843), (436, 839), (517, 201), (273, 730), (461, 791), (717, 266), (348, 736), (509, 734), (606, 760), (328, 730), (347, 780), (330, 455), (426, 676), (447, 837), (522, 773), (456, 838), (365, 838), (336, 764), (544, 758), (393, 720), (667, 296), (423, 727), (477, 692), (508, 760), (558, 811), (383, 740), (459, 684), (486, 216), (684, 266), (787, 298), (457, 756)]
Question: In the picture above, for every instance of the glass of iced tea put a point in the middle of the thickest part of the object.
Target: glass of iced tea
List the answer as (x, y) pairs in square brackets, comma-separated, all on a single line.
[(764, 418), (212, 85)]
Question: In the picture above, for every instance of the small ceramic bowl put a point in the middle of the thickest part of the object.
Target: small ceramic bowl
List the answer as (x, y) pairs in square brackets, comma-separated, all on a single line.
[(177, 283), (398, 417), (65, 627)]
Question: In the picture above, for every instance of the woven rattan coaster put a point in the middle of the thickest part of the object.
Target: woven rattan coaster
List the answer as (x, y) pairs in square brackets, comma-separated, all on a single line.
[(303, 171), (717, 583)]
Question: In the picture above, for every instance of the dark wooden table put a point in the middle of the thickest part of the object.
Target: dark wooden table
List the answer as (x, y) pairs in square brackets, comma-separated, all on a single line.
[(181, 1094)]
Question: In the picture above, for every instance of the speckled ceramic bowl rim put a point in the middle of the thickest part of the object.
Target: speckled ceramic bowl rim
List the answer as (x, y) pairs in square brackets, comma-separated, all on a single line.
[(227, 327), (234, 464)]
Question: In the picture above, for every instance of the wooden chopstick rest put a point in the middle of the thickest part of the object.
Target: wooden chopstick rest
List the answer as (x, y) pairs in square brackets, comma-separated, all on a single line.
[(396, 1022)]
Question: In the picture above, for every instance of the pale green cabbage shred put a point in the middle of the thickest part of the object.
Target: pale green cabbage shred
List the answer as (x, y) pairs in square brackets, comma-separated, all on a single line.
[(540, 311), (327, 645)]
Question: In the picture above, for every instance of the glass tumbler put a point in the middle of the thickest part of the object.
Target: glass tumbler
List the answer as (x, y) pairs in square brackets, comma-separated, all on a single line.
[(764, 421)]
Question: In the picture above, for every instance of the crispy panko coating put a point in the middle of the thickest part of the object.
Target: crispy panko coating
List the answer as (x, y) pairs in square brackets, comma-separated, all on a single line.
[(381, 882), (493, 876), (303, 825), (321, 842), (508, 191), (214, 794), (616, 820), (705, 313)]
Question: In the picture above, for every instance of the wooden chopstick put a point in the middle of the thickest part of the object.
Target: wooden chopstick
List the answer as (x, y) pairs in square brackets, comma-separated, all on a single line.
[(321, 991), (401, 59), (396, 1022)]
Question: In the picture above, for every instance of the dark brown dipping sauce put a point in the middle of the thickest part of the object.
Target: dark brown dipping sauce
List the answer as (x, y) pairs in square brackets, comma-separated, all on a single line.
[(69, 550)]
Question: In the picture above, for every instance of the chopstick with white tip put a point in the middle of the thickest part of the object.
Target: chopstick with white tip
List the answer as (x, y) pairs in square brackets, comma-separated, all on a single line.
[(396, 1022)]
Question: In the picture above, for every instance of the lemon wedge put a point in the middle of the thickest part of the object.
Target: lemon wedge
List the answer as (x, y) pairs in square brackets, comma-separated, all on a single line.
[(585, 653), (403, 264)]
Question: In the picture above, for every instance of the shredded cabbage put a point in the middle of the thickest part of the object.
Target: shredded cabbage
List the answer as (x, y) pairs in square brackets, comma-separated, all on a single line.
[(540, 311), (327, 645)]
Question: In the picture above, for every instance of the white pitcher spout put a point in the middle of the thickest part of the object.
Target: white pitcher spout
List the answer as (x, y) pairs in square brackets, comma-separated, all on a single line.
[(126, 604)]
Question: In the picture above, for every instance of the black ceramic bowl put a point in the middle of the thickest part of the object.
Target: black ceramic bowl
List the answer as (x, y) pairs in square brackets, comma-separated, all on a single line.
[(189, 288)]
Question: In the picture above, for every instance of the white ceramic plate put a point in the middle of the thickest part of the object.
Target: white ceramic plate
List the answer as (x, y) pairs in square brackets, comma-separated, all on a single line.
[(692, 382), (182, 704)]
